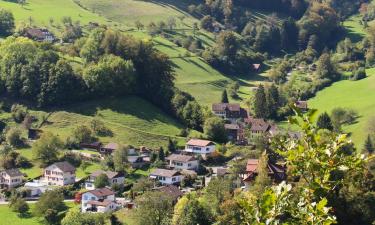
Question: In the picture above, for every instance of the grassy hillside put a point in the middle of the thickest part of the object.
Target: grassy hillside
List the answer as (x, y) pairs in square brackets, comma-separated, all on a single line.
[(132, 120), (357, 95)]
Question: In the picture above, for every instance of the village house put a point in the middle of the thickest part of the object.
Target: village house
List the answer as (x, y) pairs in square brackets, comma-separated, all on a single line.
[(166, 177), (60, 174), (172, 191), (109, 148), (302, 105), (136, 161), (99, 200), (229, 111), (182, 162), (39, 34), (198, 146), (10, 178), (113, 178), (276, 172), (235, 133), (259, 127)]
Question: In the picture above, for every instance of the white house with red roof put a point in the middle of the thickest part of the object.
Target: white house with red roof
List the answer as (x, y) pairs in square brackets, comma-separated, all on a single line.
[(198, 146), (98, 201)]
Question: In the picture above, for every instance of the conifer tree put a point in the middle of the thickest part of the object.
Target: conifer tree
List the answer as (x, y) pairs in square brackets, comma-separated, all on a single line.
[(369, 146), (224, 97), (260, 103), (161, 154)]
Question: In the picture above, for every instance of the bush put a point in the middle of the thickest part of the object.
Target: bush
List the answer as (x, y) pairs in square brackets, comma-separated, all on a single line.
[(359, 74), (14, 136), (19, 112)]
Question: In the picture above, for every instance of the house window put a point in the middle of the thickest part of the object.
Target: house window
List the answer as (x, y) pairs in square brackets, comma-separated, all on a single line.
[(85, 198), (173, 179), (114, 181), (189, 165), (92, 198), (207, 149)]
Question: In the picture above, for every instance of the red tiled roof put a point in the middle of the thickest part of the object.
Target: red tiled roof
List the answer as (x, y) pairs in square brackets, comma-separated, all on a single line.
[(252, 165), (102, 192), (199, 142)]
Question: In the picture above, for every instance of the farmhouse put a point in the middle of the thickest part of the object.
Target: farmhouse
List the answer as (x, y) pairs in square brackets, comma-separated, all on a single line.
[(181, 162), (229, 111), (113, 177), (39, 34), (259, 127), (198, 146), (276, 172), (60, 174), (166, 177), (99, 200), (10, 178)]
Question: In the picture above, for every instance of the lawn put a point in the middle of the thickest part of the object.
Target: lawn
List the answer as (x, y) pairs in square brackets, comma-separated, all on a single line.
[(357, 95), (10, 218)]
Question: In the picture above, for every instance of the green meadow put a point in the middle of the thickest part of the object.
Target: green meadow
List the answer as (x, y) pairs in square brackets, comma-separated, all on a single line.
[(357, 95)]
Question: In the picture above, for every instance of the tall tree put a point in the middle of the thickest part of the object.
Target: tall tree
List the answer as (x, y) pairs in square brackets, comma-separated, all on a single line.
[(224, 97), (189, 211), (272, 101), (324, 121), (369, 146), (262, 180), (47, 148), (260, 103), (171, 145), (6, 22), (215, 130), (161, 155), (120, 158)]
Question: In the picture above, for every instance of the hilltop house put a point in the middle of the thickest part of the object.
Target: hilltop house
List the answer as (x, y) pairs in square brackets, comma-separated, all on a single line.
[(198, 146), (113, 178), (182, 162), (10, 178), (276, 172), (166, 177), (99, 200), (60, 174), (39, 34)]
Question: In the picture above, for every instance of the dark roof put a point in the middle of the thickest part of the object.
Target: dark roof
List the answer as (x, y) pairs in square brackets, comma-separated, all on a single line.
[(226, 106), (65, 166), (258, 124), (181, 158), (110, 174), (101, 192), (39, 33), (165, 173), (199, 142), (172, 191), (13, 172)]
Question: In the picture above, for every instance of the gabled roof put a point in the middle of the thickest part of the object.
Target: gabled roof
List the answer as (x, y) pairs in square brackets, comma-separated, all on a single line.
[(12, 172), (181, 158), (226, 106), (252, 166), (101, 192), (110, 174), (64, 166), (258, 124), (165, 173), (172, 191), (199, 142)]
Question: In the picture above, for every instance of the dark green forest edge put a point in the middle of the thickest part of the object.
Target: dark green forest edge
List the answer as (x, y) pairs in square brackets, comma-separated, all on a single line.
[(302, 46)]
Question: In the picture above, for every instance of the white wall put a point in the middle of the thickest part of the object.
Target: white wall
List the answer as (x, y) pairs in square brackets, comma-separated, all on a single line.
[(200, 149)]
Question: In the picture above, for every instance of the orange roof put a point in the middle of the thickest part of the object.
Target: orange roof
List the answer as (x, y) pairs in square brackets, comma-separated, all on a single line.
[(252, 165), (199, 142)]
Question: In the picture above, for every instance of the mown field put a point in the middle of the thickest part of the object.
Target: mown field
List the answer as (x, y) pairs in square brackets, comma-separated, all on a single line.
[(357, 95), (10, 218)]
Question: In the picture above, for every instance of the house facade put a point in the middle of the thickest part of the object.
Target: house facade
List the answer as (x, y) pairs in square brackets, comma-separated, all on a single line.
[(39, 34), (10, 178), (167, 177), (182, 162), (228, 111), (98, 201), (259, 127), (198, 146), (60, 174), (276, 172), (113, 178)]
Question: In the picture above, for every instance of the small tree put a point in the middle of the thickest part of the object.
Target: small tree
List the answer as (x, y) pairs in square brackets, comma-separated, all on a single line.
[(82, 134), (14, 136), (20, 206), (49, 205), (171, 145), (101, 181), (324, 122), (260, 103), (369, 146), (224, 97), (120, 158)]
